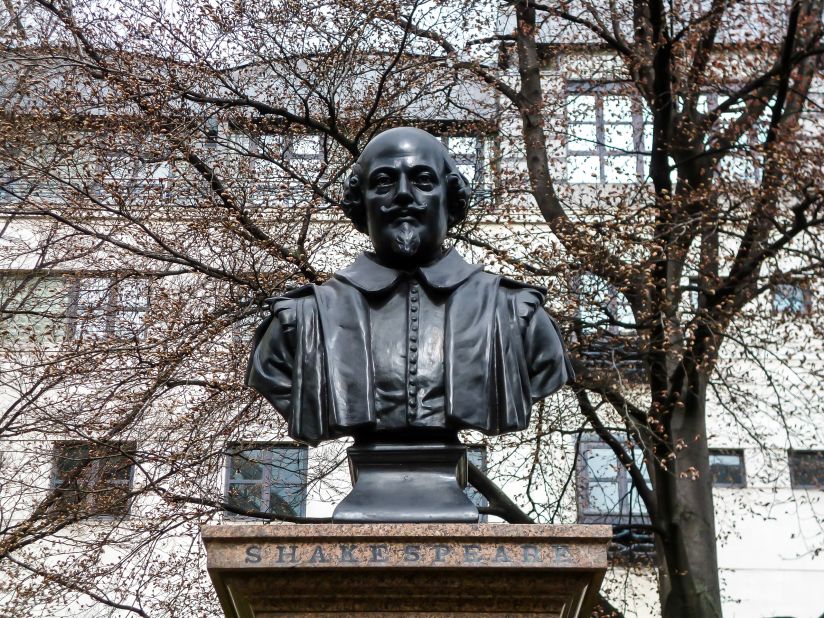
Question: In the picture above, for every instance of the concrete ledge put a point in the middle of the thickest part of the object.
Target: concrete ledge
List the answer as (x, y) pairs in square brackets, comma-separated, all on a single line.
[(406, 569)]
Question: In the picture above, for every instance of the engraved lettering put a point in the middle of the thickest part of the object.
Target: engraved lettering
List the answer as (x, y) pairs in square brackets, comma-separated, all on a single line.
[(531, 553), (441, 552), (562, 554), (379, 553), (293, 554), (347, 553), (501, 555), (253, 554), (412, 553), (318, 555), (471, 553)]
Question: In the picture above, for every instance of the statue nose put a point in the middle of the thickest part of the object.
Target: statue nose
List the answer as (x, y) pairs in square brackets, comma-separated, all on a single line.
[(403, 194)]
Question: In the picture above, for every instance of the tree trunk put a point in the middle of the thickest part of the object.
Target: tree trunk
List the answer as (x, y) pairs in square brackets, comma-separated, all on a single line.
[(687, 555)]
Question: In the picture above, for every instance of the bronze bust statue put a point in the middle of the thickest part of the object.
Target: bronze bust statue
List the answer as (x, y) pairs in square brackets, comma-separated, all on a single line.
[(410, 343)]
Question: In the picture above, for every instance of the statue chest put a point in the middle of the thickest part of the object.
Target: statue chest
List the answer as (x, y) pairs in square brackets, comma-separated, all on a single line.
[(407, 345)]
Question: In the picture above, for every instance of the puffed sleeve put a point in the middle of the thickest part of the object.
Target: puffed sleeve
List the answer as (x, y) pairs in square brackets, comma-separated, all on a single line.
[(271, 362), (548, 365)]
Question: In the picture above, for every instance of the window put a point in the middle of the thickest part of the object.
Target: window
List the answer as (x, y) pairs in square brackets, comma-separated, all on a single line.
[(267, 176), (607, 325), (602, 307), (792, 298), (476, 455), (727, 468), (211, 128), (32, 308), (101, 307), (270, 478), (807, 469), (95, 478), (13, 184), (605, 492), (740, 162), (305, 147), (468, 153), (283, 167), (609, 135)]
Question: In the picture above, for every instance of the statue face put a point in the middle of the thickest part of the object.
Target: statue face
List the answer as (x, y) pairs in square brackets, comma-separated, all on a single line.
[(405, 196)]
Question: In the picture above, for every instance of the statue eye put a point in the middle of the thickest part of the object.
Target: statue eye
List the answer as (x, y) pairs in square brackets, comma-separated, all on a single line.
[(425, 181), (382, 181)]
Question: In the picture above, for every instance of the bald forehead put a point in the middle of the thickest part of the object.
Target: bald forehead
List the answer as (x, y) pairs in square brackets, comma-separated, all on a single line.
[(403, 142)]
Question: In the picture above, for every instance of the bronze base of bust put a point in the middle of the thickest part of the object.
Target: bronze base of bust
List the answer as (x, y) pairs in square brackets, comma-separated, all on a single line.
[(407, 483)]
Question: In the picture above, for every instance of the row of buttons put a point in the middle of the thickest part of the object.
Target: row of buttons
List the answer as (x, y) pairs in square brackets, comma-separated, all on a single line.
[(413, 345)]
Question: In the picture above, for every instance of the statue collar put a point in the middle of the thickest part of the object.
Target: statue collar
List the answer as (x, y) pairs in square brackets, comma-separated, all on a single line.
[(369, 276)]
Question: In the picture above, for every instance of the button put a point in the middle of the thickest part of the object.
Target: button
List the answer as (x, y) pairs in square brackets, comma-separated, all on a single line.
[(412, 403), (413, 347), (414, 327), (413, 336), (413, 358), (411, 381), (414, 287), (413, 369)]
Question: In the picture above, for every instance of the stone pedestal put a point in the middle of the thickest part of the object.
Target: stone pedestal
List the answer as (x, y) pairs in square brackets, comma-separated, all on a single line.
[(263, 571)]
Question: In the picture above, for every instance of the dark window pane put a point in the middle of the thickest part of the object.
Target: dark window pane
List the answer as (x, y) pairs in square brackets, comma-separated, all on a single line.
[(791, 298), (605, 489), (727, 468), (112, 469), (246, 496), (280, 503), (94, 476), (247, 466), (807, 469), (287, 480), (268, 478), (69, 458)]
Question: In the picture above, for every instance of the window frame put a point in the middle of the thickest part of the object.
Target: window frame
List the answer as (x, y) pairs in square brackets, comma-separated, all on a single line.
[(19, 298), (794, 453), (89, 497), (479, 182), (708, 101), (599, 90), (625, 517), (111, 309), (234, 448), (727, 452), (802, 286)]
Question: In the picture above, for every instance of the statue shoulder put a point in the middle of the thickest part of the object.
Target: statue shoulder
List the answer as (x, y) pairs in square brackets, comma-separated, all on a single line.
[(284, 306), (526, 298), (516, 287)]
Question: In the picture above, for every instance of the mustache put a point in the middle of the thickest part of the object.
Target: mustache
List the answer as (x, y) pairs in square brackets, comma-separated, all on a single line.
[(400, 210)]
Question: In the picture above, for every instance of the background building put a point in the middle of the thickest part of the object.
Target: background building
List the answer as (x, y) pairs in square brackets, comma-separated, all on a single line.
[(165, 169)]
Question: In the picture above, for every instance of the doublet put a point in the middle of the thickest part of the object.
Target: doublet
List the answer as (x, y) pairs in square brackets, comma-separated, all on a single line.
[(447, 346)]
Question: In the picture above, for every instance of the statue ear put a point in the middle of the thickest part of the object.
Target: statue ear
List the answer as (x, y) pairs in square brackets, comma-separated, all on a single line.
[(352, 203), (458, 194)]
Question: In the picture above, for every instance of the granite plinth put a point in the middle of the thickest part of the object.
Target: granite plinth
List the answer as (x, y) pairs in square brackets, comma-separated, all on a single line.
[(262, 571)]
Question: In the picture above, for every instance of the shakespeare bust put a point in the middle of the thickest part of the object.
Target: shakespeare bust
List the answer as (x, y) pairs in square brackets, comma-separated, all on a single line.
[(410, 343)]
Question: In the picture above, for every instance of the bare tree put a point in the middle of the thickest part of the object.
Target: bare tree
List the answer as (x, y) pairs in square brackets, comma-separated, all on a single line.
[(194, 154)]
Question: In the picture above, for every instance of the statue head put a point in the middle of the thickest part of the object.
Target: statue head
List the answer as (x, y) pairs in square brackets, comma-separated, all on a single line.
[(405, 192)]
